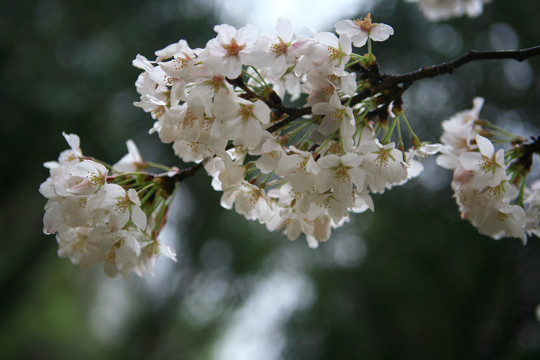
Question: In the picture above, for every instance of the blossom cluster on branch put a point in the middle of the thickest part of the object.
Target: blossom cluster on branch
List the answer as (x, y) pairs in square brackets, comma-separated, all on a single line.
[(103, 214), (231, 108), (224, 105), (490, 186)]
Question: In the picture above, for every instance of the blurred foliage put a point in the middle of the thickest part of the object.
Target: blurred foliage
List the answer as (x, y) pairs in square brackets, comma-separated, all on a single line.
[(409, 281)]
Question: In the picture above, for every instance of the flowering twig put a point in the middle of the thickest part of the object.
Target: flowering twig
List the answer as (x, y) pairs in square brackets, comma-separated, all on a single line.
[(388, 81), (217, 109), (385, 82)]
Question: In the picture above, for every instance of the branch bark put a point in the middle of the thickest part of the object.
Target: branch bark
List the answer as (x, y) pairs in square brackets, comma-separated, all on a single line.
[(387, 81)]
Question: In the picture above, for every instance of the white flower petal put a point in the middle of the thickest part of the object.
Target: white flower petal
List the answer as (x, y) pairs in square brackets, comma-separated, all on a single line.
[(381, 32), (138, 217), (485, 146)]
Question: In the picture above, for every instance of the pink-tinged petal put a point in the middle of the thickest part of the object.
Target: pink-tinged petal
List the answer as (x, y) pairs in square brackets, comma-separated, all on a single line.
[(358, 177), (431, 149), (47, 189), (470, 160), (448, 161), (227, 199), (247, 34), (134, 197), (129, 252), (119, 218), (252, 133), (351, 160), (107, 196), (284, 29), (133, 150), (293, 229), (381, 32), (256, 57), (261, 111), (414, 169), (328, 126), (323, 109), (360, 39), (348, 84), (142, 63), (345, 43), (312, 167), (328, 161), (478, 102), (342, 190), (499, 157), (87, 167), (50, 219), (321, 230), (361, 202), (51, 164), (328, 38), (138, 217), (485, 146), (74, 142), (348, 27), (324, 182), (225, 32)]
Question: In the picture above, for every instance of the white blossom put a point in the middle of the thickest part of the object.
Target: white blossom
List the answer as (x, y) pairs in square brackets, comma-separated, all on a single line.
[(360, 30)]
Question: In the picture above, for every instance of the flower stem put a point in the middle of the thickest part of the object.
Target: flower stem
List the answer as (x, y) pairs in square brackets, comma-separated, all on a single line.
[(157, 166), (415, 139), (389, 133)]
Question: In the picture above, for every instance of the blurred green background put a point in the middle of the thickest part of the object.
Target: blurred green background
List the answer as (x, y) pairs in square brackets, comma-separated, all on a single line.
[(410, 281)]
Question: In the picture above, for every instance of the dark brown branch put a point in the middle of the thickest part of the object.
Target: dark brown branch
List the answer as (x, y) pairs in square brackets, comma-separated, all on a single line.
[(448, 67), (472, 55), (293, 114), (168, 182)]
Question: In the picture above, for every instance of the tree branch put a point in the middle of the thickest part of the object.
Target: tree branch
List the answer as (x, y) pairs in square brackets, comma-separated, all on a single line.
[(448, 67), (394, 85)]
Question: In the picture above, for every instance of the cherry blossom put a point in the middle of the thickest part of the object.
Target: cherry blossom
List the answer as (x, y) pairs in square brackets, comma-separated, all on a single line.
[(360, 30), (487, 166), (298, 170)]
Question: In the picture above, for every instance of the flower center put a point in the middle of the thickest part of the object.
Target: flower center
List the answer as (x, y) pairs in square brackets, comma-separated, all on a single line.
[(246, 112), (337, 117), (216, 83), (279, 48), (383, 157), (502, 217), (487, 164), (365, 24), (233, 48), (342, 173), (122, 205)]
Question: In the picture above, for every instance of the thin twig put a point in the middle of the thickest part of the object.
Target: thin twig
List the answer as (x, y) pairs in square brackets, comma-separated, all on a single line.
[(446, 68)]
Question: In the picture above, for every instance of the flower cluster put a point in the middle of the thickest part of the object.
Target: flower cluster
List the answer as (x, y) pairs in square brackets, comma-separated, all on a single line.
[(296, 170), (232, 108), (485, 180), (437, 10), (97, 214)]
